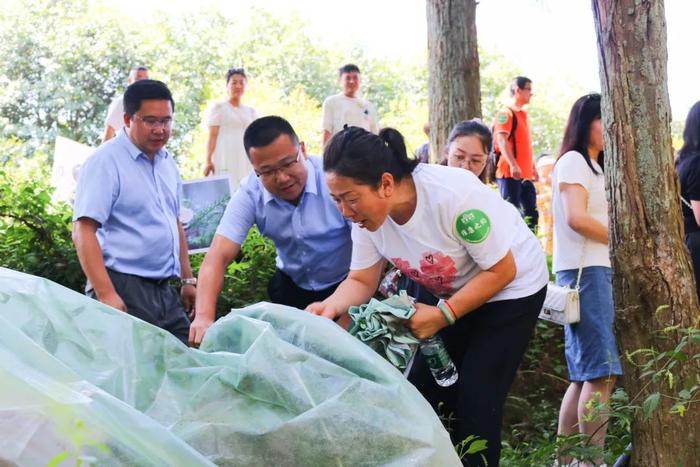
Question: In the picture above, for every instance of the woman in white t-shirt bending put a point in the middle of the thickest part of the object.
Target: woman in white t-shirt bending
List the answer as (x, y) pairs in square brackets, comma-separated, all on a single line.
[(581, 242), (227, 121), (478, 263)]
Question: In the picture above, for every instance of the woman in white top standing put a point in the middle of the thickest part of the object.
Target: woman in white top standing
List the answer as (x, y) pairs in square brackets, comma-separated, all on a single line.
[(581, 241), (227, 121), (483, 273)]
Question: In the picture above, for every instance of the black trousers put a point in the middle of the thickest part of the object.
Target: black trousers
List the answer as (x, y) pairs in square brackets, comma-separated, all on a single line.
[(154, 301), (692, 241), (487, 346), (282, 289), (523, 195)]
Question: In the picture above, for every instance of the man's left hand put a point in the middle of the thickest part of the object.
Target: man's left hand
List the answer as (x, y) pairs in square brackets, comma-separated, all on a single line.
[(188, 293), (426, 321)]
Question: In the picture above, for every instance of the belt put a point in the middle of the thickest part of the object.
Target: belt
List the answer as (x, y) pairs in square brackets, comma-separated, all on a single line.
[(173, 280), (159, 282)]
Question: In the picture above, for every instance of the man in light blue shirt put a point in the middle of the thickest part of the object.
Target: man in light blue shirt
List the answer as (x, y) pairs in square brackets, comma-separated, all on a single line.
[(125, 217), (287, 198)]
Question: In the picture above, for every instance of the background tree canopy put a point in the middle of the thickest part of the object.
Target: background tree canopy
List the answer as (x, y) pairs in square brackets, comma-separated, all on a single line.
[(64, 61)]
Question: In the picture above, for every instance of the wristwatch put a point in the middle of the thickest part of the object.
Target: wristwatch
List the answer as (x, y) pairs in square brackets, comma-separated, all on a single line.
[(446, 310), (189, 281)]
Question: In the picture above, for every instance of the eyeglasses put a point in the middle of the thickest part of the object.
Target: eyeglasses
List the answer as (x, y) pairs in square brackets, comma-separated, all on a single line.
[(474, 160), (152, 122), (285, 167)]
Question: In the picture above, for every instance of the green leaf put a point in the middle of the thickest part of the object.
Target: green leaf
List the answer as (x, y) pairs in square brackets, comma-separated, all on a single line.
[(57, 459), (477, 446), (680, 356), (650, 404), (679, 408)]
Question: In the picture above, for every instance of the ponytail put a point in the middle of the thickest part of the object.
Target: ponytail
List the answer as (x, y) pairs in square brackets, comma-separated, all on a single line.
[(364, 156)]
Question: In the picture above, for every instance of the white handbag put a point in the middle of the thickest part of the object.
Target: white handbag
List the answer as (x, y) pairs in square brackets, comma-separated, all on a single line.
[(561, 304)]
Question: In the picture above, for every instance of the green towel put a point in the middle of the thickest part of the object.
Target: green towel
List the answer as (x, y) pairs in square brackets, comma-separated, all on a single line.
[(379, 324)]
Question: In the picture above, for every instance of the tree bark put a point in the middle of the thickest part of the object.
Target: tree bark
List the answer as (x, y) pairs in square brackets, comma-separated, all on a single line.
[(653, 281), (453, 63)]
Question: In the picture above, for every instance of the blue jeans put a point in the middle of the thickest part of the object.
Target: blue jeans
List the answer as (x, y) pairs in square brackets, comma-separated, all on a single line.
[(522, 195), (590, 347)]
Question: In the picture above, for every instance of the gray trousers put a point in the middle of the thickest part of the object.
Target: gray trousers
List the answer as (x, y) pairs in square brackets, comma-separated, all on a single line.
[(154, 301)]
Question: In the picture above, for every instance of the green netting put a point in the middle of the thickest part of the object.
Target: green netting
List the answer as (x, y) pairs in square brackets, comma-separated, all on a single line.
[(271, 385)]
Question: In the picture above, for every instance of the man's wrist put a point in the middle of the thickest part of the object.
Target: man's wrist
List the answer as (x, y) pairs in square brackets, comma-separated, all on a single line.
[(203, 314), (104, 291)]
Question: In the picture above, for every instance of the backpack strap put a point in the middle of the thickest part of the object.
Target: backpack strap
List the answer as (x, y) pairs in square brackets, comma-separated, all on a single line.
[(512, 132), (495, 156)]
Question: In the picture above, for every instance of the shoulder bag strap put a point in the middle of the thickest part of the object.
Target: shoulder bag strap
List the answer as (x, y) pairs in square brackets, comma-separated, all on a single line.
[(583, 245), (685, 201)]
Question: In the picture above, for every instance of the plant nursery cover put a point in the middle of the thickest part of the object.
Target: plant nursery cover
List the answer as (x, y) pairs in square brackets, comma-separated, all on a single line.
[(83, 383)]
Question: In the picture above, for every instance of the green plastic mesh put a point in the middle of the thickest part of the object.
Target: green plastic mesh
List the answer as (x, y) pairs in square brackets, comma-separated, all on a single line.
[(270, 385)]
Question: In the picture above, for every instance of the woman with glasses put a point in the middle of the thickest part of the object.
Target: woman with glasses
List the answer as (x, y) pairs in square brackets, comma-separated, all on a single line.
[(688, 168), (581, 258), (482, 271), (468, 147), (227, 121)]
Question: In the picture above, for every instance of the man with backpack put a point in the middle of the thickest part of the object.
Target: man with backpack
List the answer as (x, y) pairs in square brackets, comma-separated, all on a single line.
[(515, 169)]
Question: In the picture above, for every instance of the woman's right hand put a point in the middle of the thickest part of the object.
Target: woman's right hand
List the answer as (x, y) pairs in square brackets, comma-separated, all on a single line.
[(209, 169), (327, 310)]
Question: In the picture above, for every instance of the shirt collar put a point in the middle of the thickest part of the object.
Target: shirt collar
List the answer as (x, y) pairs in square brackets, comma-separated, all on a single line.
[(311, 186), (133, 150)]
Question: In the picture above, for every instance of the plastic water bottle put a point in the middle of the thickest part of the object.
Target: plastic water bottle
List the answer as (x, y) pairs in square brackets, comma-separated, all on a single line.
[(441, 366), (389, 286)]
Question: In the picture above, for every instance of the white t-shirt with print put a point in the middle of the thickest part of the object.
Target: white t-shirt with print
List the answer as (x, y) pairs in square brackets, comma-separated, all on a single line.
[(340, 110), (572, 168), (459, 228)]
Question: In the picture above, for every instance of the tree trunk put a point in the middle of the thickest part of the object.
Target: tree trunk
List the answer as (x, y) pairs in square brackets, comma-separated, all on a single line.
[(653, 281), (453, 63)]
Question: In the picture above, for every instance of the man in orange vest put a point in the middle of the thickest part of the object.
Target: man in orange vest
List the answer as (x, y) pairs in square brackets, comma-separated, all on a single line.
[(515, 169)]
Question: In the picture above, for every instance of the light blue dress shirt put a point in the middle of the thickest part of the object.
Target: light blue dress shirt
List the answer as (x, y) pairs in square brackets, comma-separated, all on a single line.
[(136, 201), (312, 238)]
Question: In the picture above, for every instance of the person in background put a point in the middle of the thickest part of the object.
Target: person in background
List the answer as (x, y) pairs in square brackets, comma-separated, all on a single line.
[(580, 212), (483, 272), (515, 170), (126, 231), (289, 202), (115, 113), (545, 166), (688, 168), (423, 152), (347, 108), (227, 121), (469, 146)]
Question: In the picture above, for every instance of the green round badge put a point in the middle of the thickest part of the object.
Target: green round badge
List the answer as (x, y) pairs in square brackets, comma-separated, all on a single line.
[(473, 226), (502, 118)]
